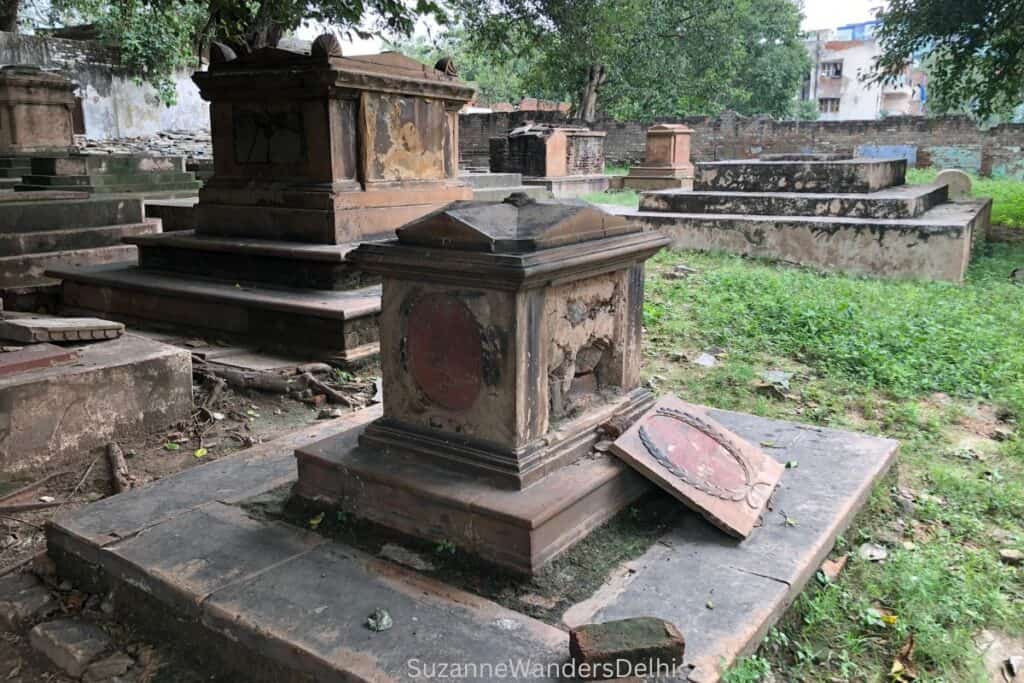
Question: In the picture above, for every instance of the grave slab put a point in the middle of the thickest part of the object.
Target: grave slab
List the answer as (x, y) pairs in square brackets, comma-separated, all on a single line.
[(304, 615), (33, 358), (116, 388)]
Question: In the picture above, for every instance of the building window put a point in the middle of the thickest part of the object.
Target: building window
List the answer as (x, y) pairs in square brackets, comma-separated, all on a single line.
[(828, 105), (832, 69)]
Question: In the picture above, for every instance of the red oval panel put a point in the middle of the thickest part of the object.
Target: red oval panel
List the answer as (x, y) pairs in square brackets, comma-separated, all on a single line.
[(445, 351), (703, 459)]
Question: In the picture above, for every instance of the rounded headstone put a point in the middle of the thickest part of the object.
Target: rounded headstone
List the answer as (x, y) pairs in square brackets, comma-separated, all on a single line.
[(446, 65), (221, 53), (959, 182)]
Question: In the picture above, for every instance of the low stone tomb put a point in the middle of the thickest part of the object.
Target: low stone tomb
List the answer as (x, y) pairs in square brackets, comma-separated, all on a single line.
[(567, 161), (853, 215), (150, 176), (666, 160), (485, 425)]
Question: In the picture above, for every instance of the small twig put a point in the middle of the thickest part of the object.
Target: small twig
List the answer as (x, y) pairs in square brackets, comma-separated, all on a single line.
[(332, 394)]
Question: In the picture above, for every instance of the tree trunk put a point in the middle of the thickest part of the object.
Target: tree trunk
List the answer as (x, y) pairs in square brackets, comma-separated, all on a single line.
[(264, 32), (596, 77), (9, 15)]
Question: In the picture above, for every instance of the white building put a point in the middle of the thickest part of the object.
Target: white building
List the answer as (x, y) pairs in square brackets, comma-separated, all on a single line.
[(840, 61)]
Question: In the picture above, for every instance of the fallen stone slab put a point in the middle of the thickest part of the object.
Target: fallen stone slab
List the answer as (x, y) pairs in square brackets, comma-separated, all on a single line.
[(34, 358), (70, 644)]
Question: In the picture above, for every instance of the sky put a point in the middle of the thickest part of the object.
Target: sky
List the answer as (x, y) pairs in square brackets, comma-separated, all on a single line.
[(820, 14)]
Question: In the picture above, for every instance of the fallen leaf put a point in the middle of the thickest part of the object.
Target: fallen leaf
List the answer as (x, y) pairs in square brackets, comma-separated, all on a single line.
[(200, 452), (792, 464), (380, 620), (171, 446), (314, 522), (872, 552), (832, 568)]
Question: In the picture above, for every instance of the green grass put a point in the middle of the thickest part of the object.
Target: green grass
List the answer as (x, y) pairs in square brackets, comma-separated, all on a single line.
[(618, 197), (616, 170), (920, 362), (1007, 195)]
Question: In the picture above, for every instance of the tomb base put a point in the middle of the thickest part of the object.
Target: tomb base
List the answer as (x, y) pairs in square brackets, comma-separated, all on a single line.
[(518, 530), (657, 182), (568, 187)]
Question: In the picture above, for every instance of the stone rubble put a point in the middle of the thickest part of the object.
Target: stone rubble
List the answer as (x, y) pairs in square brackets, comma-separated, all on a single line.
[(193, 145)]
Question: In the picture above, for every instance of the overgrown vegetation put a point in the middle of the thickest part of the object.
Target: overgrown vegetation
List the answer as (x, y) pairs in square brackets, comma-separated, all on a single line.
[(938, 366)]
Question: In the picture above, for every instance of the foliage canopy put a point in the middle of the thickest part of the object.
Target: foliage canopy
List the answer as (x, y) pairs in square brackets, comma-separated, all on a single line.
[(974, 50)]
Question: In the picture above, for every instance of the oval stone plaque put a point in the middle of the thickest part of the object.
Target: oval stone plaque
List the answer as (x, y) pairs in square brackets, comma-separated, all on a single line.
[(445, 351)]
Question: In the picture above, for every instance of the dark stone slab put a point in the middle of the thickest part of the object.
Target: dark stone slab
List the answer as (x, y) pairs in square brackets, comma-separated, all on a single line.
[(268, 262), (25, 214), (724, 594), (339, 324), (844, 176), (74, 239), (30, 270), (310, 613), (201, 551)]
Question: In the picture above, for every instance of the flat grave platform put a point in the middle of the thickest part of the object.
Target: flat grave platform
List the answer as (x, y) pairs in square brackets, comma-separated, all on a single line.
[(273, 601)]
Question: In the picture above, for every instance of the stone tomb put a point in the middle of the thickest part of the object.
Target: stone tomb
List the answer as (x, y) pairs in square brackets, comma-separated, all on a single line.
[(853, 215), (151, 176), (486, 424), (313, 153), (35, 118), (666, 160), (568, 162)]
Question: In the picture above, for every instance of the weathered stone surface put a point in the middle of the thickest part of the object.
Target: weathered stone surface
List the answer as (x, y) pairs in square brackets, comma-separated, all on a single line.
[(109, 173), (844, 176), (750, 583), (566, 161), (117, 388), (907, 201), (35, 111), (70, 644), (936, 245), (711, 470), (666, 160), (627, 647), (23, 597), (33, 358)]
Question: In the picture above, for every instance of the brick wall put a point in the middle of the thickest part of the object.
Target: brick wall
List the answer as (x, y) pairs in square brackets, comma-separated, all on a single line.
[(945, 142)]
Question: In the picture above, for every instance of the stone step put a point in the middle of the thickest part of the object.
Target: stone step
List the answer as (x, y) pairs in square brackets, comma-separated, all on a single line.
[(27, 215), (906, 201), (19, 243), (30, 270), (936, 245), (16, 162), (174, 214), (96, 164), (263, 262), (111, 179), (182, 187), (14, 172), (497, 194), (339, 325), (479, 181), (859, 175)]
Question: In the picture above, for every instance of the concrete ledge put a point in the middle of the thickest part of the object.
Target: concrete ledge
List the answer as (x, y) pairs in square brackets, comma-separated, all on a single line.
[(570, 186), (117, 388)]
